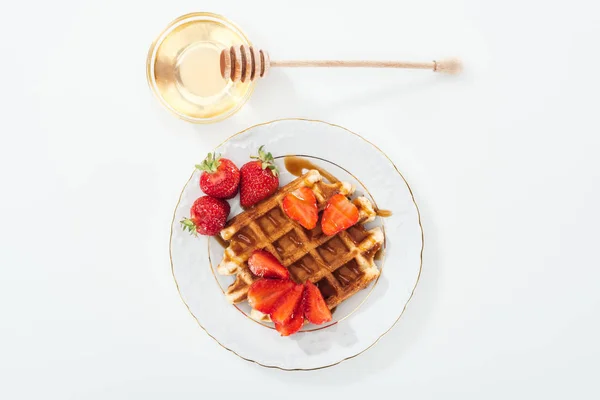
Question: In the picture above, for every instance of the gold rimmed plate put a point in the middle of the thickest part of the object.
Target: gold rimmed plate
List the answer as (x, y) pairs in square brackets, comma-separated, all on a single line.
[(359, 321)]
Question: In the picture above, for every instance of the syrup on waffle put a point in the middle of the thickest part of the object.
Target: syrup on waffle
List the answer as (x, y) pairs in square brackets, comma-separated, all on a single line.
[(340, 265)]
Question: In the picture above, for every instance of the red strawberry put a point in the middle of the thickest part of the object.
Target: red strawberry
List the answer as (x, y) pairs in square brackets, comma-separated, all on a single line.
[(207, 216), (220, 178), (264, 293), (292, 326), (287, 306), (264, 264), (339, 214), (315, 308), (259, 179), (301, 206)]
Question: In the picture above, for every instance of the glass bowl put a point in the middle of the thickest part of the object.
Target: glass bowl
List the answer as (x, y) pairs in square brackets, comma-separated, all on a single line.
[(183, 68)]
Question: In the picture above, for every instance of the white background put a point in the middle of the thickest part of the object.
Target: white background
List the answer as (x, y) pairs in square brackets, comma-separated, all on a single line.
[(503, 161)]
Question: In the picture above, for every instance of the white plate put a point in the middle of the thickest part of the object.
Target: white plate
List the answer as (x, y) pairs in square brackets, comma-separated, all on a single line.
[(359, 321)]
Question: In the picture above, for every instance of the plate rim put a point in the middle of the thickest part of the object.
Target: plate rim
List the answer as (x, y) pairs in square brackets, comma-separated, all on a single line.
[(405, 305)]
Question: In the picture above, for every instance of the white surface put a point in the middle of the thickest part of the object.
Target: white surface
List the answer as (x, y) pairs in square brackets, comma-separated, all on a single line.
[(378, 307), (503, 161)]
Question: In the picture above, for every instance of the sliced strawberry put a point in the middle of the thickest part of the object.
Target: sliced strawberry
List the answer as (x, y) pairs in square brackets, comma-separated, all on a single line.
[(339, 214), (315, 309), (264, 264), (288, 306), (264, 293), (301, 206), (292, 326)]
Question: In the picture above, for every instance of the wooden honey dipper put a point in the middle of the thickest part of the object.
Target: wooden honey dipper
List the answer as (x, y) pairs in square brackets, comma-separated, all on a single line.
[(245, 63)]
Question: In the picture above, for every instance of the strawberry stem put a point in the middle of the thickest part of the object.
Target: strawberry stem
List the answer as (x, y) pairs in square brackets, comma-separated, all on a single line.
[(267, 160), (187, 224), (210, 164)]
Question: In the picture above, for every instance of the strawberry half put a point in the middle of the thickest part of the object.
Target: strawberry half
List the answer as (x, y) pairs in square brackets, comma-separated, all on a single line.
[(339, 214), (301, 205), (220, 178), (292, 326), (264, 264), (288, 306), (264, 294), (315, 308)]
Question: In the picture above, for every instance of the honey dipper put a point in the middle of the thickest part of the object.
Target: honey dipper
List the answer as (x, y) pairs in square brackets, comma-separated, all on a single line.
[(243, 63)]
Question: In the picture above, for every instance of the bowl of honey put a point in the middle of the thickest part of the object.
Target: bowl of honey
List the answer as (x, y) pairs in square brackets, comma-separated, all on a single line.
[(183, 68)]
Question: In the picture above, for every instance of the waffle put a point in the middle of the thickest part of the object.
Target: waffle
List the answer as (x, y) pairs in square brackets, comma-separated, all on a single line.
[(340, 265)]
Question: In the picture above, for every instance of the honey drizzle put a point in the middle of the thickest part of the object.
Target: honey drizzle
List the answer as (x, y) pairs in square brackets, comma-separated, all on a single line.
[(304, 267), (244, 238), (354, 268), (326, 289), (384, 213), (296, 166), (222, 242), (273, 220), (342, 278), (329, 248), (294, 239)]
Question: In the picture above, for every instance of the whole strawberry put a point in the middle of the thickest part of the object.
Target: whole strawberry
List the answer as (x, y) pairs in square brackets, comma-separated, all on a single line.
[(220, 178), (259, 179), (207, 216)]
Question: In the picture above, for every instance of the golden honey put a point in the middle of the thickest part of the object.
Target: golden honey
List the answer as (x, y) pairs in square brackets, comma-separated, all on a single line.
[(297, 165), (183, 68)]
